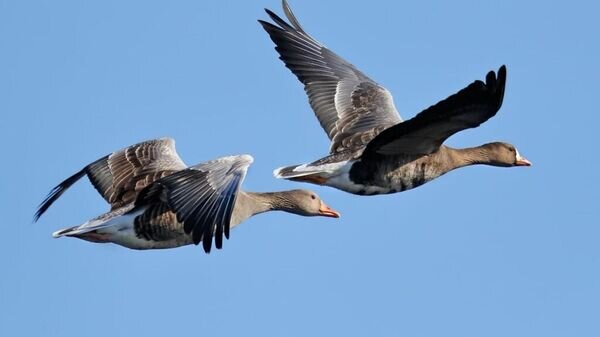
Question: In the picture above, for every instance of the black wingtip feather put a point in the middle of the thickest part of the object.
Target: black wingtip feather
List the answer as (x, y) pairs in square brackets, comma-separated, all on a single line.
[(219, 237), (500, 85), (490, 79), (269, 27), (56, 192), (207, 239), (278, 20), (290, 15), (502, 71), (495, 82), (229, 212)]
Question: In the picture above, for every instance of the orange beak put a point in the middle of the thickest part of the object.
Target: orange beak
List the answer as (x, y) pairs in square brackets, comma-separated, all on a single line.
[(325, 210)]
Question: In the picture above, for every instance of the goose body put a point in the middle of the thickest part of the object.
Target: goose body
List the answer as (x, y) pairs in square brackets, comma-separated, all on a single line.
[(398, 174), (373, 150), (158, 202)]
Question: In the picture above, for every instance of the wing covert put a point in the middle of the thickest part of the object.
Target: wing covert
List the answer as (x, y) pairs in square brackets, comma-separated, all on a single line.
[(202, 197), (119, 176)]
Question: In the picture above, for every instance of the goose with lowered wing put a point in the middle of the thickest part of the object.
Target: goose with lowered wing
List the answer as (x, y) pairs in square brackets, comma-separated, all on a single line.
[(373, 151)]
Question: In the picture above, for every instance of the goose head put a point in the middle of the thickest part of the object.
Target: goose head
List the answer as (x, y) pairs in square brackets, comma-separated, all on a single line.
[(505, 154), (307, 203)]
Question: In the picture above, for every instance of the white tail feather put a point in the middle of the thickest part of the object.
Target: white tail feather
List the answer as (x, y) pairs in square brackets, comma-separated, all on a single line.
[(325, 170), (293, 172), (100, 223)]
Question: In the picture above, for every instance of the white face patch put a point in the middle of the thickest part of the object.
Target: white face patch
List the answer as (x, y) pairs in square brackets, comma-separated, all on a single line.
[(518, 155)]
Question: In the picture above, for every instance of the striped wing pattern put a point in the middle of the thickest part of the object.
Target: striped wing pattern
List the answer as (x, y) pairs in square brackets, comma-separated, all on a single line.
[(202, 197)]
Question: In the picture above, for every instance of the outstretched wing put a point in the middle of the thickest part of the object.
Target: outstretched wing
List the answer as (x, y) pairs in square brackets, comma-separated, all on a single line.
[(119, 176), (351, 108), (425, 133), (201, 196)]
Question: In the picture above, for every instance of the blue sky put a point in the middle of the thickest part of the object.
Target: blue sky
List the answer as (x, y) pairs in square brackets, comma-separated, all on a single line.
[(481, 251)]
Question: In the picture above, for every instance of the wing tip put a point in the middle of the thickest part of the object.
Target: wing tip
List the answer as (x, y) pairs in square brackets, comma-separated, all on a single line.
[(166, 139), (207, 244), (497, 78), (287, 10), (495, 82), (502, 75), (37, 214), (502, 69), (292, 26), (246, 158), (233, 161), (278, 20), (242, 161), (500, 84), (56, 192)]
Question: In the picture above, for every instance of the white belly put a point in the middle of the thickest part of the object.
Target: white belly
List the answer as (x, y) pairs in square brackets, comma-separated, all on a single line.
[(120, 230)]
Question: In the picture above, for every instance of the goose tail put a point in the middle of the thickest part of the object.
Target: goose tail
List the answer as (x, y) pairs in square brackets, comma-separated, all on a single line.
[(315, 174), (88, 230), (87, 227)]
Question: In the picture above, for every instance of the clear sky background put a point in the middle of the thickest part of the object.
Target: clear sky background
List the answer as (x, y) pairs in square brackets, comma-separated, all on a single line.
[(482, 251)]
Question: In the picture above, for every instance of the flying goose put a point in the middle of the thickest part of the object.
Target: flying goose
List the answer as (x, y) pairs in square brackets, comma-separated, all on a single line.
[(158, 202), (373, 151)]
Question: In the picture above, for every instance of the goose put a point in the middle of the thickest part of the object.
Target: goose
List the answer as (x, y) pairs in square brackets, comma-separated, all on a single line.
[(373, 150), (157, 202)]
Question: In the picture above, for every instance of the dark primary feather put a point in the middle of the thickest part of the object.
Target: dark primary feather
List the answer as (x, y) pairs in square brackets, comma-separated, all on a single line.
[(426, 132), (351, 108), (56, 192), (120, 176), (202, 197)]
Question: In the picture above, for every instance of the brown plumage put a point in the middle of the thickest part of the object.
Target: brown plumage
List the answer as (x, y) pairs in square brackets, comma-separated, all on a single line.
[(158, 202), (373, 151)]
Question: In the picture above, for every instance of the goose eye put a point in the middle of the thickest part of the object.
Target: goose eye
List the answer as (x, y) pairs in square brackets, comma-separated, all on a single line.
[(312, 196)]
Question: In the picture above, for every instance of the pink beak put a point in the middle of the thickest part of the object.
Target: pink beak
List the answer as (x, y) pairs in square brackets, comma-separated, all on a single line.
[(521, 161)]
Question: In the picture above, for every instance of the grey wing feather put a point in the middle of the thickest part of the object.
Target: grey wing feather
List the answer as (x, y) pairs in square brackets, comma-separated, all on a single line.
[(120, 176), (425, 133), (202, 196), (351, 108)]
